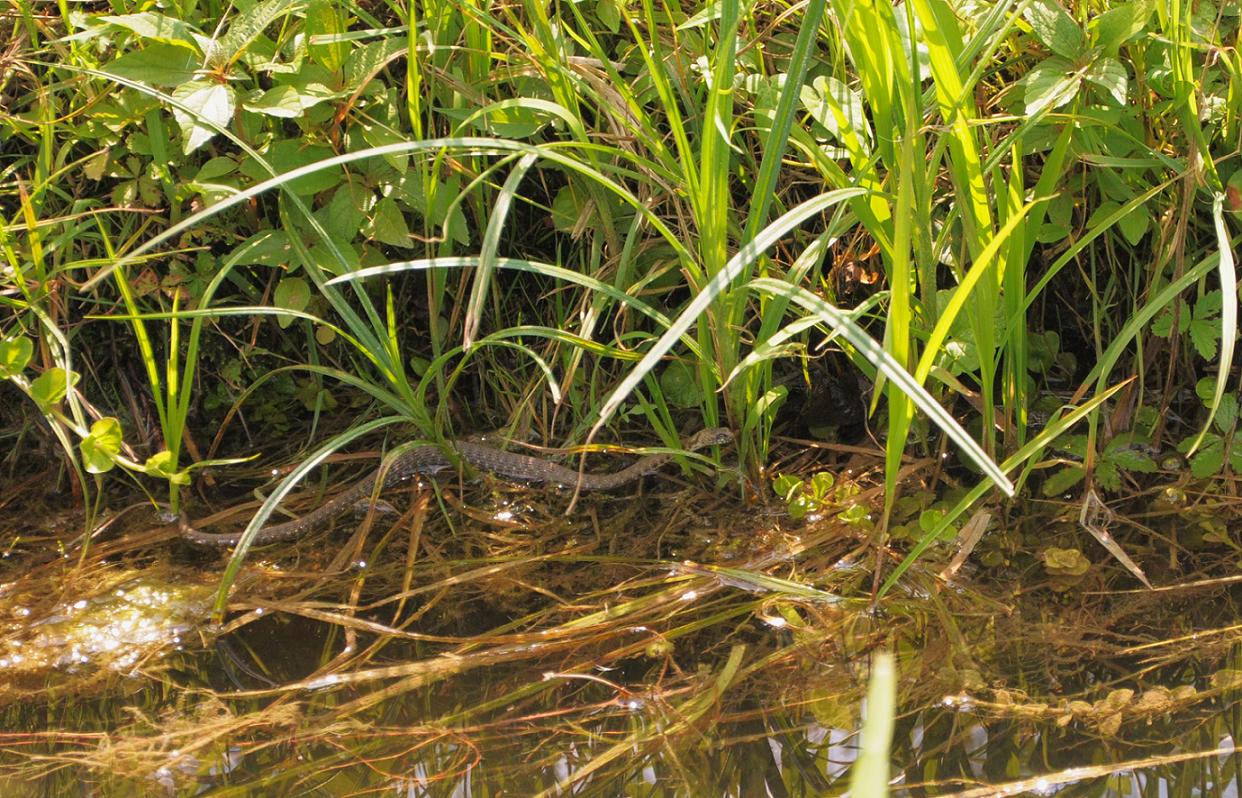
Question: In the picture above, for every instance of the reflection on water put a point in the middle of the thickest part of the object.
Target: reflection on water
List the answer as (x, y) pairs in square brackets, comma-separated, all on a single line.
[(116, 630), (513, 653)]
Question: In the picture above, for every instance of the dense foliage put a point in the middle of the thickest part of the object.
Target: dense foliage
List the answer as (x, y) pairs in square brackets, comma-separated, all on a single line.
[(461, 215)]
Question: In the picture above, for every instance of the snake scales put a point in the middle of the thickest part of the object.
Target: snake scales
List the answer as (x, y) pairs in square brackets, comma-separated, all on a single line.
[(429, 459)]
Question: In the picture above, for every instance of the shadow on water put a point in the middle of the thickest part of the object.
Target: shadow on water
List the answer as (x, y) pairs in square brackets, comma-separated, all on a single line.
[(669, 646)]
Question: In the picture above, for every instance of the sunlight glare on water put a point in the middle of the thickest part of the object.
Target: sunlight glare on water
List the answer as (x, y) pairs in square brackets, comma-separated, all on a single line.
[(115, 630)]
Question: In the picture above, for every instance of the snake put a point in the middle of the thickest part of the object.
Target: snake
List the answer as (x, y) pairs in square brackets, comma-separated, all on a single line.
[(427, 459)]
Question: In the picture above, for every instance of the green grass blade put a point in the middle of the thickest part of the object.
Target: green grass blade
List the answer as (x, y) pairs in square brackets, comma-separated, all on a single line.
[(870, 774), (714, 288), (1228, 315), (489, 246), (282, 490)]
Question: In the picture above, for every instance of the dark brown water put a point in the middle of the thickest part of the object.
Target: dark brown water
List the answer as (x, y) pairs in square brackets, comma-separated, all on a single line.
[(669, 646)]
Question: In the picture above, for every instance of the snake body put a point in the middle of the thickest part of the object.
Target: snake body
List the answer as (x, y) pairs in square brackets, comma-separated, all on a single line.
[(428, 459)]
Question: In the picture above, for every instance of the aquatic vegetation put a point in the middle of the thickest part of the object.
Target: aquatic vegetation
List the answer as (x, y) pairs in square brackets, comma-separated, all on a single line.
[(960, 261)]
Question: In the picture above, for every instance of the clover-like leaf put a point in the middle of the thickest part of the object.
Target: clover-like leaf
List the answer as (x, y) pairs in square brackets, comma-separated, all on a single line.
[(15, 354), (50, 387), (786, 486), (161, 465), (101, 446)]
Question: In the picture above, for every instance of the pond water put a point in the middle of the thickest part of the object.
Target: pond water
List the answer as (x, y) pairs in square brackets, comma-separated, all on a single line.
[(490, 645)]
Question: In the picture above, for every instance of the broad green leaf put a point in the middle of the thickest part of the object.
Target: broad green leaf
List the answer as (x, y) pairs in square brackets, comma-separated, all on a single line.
[(832, 104), (821, 483), (1163, 324), (49, 388), (324, 255), (101, 446), (160, 28), (290, 100), (1209, 305), (289, 154), (209, 101), (1119, 24), (313, 80), (1042, 351), (1056, 29), (281, 101), (324, 19), (930, 518), (1052, 83), (1227, 412), (1107, 476), (1133, 460), (1209, 459), (248, 26), (1111, 76), (1063, 480), (388, 225), (1134, 225), (786, 486), (1073, 444), (314, 397), (15, 354), (608, 14), (95, 165), (680, 385), (216, 168), (157, 64), (365, 61), (350, 204), (292, 293), (1205, 334), (380, 135), (566, 209), (800, 506), (266, 248), (509, 121)]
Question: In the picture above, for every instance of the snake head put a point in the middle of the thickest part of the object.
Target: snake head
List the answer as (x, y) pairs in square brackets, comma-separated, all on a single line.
[(712, 436)]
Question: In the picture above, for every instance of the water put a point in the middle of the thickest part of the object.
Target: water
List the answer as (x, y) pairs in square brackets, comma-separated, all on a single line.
[(653, 648)]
